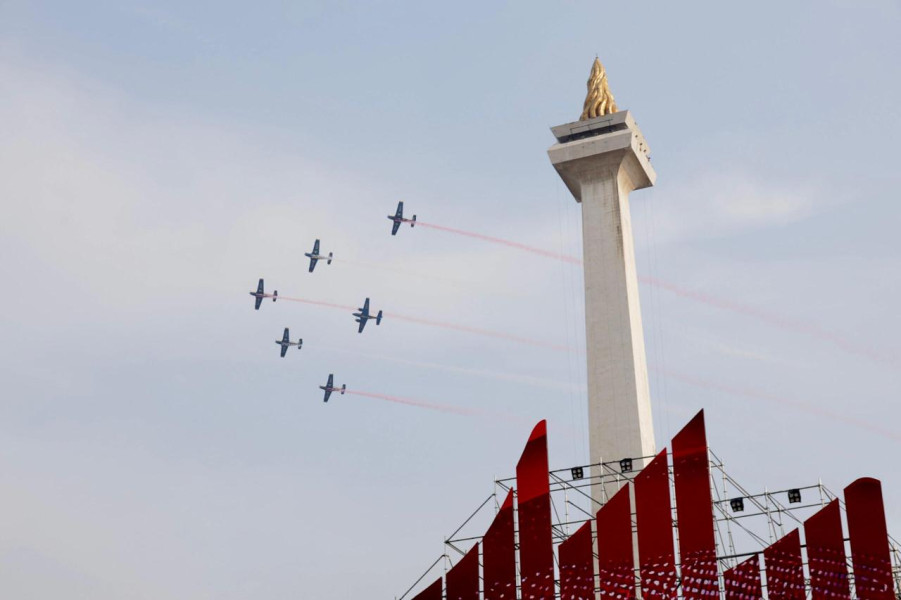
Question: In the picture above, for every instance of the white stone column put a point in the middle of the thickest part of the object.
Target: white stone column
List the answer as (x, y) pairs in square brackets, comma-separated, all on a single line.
[(601, 160)]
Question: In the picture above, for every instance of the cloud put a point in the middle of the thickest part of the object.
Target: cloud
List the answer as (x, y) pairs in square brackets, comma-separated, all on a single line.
[(129, 208), (723, 204)]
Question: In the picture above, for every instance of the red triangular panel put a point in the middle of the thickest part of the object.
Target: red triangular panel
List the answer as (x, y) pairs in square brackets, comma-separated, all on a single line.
[(536, 550)]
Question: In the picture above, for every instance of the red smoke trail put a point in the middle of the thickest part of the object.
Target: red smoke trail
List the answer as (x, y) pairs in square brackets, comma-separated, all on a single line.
[(773, 319), (787, 323), (402, 271), (316, 302), (486, 332), (410, 402), (762, 395), (432, 323), (527, 380), (512, 244), (510, 418)]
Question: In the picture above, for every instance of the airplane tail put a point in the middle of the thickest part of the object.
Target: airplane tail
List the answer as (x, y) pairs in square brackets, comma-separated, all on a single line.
[(378, 318), (329, 259), (413, 221), (300, 343), (343, 387), (275, 295)]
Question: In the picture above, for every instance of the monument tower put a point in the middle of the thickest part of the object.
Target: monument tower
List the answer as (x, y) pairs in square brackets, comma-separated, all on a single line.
[(601, 158)]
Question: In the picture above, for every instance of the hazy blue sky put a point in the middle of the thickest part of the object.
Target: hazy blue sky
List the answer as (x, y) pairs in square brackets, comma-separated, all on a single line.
[(156, 158)]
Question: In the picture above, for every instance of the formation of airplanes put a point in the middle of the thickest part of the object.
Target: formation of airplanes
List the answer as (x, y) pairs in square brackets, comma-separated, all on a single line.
[(363, 315)]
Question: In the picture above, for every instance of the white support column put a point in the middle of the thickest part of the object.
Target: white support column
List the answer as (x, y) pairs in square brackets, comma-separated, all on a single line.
[(601, 160)]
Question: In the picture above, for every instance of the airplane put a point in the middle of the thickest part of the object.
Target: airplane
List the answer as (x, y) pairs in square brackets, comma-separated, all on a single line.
[(259, 295), (329, 387), (286, 343), (364, 316), (315, 256), (398, 218)]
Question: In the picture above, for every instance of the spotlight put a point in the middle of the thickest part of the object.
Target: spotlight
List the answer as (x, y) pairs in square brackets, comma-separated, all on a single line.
[(625, 465), (577, 473), (794, 496), (737, 504)]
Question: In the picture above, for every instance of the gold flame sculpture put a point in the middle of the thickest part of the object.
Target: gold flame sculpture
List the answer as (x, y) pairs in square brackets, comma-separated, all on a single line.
[(599, 101)]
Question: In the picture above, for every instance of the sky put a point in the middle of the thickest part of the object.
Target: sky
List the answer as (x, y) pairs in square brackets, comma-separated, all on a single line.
[(157, 158)]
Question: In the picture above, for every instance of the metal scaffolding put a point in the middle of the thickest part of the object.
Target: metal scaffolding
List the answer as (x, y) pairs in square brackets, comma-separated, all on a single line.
[(745, 523)]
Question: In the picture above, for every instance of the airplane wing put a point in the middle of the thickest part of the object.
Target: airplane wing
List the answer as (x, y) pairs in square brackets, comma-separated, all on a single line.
[(365, 309), (259, 296), (312, 263), (362, 325), (284, 350), (400, 210), (328, 393), (316, 247), (285, 338), (331, 381), (395, 227)]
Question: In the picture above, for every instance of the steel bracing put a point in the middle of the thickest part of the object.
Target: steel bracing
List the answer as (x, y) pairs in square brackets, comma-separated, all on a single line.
[(755, 539)]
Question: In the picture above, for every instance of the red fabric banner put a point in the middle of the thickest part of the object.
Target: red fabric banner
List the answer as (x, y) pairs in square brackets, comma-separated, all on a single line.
[(577, 565), (869, 540), (536, 549), (694, 510), (742, 582), (498, 555), (433, 592), (463, 579), (826, 554), (655, 530), (784, 569), (616, 559)]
